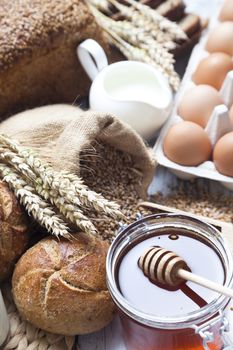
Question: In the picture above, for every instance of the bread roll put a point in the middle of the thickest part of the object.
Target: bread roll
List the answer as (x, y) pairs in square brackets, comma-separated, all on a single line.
[(14, 235), (60, 286)]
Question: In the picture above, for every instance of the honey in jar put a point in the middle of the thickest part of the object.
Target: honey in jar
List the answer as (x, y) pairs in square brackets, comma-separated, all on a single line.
[(188, 317)]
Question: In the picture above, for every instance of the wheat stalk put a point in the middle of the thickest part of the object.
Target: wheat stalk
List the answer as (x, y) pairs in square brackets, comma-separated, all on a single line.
[(75, 216), (69, 209), (35, 206), (157, 26), (17, 162), (71, 212), (29, 158), (65, 191), (91, 198), (164, 24), (140, 38), (135, 53), (138, 34), (143, 35), (69, 186)]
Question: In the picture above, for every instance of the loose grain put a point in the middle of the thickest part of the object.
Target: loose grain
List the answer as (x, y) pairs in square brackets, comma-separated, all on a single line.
[(197, 197), (112, 172)]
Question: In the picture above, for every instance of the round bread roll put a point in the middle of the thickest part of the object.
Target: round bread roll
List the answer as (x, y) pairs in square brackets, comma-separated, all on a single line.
[(14, 233), (60, 286)]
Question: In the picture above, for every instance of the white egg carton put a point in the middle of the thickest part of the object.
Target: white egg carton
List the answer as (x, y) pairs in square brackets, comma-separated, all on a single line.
[(218, 125)]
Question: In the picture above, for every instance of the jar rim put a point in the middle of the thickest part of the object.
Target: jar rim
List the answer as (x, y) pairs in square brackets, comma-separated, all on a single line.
[(171, 322)]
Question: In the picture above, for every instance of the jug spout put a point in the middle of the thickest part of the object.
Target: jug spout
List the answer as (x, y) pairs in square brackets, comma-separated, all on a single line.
[(92, 57)]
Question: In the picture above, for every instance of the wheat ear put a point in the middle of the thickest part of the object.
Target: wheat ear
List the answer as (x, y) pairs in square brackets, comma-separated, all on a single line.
[(54, 184), (73, 213), (91, 198), (164, 24), (136, 44), (147, 25), (64, 191), (34, 205), (139, 54)]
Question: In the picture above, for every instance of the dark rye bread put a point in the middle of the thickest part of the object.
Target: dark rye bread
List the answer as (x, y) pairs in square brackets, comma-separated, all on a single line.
[(38, 62), (193, 26), (174, 10), (60, 286)]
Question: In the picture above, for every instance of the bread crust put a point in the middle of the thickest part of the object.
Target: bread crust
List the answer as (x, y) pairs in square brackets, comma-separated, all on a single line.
[(60, 286), (38, 60), (14, 233)]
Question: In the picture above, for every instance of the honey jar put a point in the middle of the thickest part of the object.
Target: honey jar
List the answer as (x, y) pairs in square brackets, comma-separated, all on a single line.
[(189, 317)]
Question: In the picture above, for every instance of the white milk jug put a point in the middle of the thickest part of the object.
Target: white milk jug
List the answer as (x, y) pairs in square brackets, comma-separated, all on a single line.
[(134, 91)]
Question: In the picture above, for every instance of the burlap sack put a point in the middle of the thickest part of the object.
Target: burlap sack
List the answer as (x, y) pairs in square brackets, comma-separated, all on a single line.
[(60, 132)]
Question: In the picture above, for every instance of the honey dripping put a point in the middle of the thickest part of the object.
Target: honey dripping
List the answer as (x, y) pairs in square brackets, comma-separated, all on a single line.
[(186, 289), (189, 292)]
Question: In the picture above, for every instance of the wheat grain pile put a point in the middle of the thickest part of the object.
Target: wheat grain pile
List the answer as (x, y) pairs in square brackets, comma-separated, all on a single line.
[(199, 200), (113, 174)]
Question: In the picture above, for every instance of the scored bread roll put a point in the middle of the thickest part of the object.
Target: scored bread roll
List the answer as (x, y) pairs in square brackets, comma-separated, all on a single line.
[(60, 286), (14, 233)]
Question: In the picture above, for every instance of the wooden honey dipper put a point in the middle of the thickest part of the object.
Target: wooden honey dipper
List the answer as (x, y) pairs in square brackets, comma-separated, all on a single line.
[(169, 270)]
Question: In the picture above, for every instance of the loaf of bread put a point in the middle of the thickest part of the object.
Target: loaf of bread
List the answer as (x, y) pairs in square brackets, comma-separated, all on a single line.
[(38, 61), (172, 9), (14, 233), (60, 286)]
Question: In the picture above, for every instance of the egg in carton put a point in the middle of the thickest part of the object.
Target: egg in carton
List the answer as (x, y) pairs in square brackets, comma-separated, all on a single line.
[(218, 124)]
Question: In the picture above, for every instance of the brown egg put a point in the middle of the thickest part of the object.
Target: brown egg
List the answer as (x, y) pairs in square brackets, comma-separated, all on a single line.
[(221, 38), (186, 143), (231, 114), (198, 103), (213, 69), (223, 154), (226, 13)]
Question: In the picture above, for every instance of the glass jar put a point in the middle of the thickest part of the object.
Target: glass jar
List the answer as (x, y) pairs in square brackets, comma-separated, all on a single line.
[(205, 327)]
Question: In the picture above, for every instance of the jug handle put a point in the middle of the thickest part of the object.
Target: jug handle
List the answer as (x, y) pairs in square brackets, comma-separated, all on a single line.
[(92, 57)]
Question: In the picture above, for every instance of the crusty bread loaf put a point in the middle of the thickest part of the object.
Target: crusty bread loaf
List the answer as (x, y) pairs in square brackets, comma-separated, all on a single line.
[(38, 61), (14, 235), (60, 286)]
